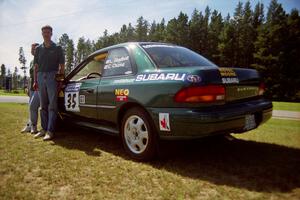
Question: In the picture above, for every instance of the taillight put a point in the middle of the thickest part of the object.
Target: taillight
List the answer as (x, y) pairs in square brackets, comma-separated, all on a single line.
[(261, 89), (201, 94)]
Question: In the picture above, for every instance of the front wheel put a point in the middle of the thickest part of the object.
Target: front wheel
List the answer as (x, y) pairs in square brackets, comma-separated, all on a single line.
[(138, 136)]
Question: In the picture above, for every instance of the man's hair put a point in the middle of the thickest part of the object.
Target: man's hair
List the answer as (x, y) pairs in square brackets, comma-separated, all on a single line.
[(47, 27)]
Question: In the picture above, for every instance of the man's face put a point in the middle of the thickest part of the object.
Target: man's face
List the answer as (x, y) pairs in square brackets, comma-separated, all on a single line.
[(46, 34)]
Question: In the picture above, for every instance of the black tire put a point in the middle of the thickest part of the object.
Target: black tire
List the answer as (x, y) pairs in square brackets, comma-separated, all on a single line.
[(146, 149)]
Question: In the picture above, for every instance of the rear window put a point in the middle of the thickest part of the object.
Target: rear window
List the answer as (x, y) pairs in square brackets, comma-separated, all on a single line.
[(175, 56)]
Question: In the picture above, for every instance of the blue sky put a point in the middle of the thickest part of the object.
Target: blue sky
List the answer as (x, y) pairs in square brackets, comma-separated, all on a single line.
[(20, 20)]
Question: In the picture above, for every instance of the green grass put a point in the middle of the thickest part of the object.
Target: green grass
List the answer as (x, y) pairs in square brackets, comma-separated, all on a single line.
[(282, 132), (286, 106), (19, 92), (83, 164)]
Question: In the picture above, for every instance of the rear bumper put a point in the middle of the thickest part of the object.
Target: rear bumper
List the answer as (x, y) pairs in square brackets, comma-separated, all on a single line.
[(194, 123)]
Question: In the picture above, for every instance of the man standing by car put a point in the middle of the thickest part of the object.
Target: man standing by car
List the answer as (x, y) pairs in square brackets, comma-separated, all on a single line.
[(34, 100), (49, 62)]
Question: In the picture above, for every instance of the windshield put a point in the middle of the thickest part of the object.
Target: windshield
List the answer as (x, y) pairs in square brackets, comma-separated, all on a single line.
[(174, 56)]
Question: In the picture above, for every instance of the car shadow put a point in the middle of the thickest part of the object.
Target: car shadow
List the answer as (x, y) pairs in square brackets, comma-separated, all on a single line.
[(256, 166)]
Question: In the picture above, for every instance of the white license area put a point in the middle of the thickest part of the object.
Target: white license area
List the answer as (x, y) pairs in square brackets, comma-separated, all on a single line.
[(72, 101), (72, 97), (249, 122)]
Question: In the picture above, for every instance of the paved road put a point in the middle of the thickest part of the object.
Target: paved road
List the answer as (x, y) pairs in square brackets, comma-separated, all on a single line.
[(14, 99), (280, 114), (283, 114)]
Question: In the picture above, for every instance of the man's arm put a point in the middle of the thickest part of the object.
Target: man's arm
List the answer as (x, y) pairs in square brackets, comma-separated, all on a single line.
[(35, 85), (36, 66), (61, 69)]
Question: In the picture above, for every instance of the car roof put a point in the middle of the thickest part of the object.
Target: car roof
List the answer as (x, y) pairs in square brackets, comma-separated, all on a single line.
[(124, 45)]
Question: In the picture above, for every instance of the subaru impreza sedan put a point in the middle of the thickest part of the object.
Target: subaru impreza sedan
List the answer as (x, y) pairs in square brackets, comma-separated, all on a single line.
[(145, 92)]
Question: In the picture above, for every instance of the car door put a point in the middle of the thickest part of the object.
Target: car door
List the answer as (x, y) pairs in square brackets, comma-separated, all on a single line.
[(112, 91), (81, 92)]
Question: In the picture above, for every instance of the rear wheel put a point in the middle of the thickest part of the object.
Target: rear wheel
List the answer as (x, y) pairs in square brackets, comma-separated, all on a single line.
[(138, 135)]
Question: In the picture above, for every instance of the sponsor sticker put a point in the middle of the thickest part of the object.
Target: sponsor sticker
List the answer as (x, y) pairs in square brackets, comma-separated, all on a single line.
[(116, 62), (61, 93), (121, 94), (124, 81), (73, 87), (121, 98), (230, 80), (228, 75), (158, 45), (227, 72), (164, 122), (160, 76), (82, 99)]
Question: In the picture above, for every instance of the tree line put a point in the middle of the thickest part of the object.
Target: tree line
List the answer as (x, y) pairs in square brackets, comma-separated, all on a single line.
[(266, 39)]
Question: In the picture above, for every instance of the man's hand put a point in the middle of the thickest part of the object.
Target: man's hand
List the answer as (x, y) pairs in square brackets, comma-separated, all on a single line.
[(59, 77), (35, 86)]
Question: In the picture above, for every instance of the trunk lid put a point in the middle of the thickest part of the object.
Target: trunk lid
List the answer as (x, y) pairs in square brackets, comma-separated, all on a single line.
[(239, 83)]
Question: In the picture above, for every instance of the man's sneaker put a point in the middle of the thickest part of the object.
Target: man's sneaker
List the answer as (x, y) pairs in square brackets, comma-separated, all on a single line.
[(40, 134), (33, 130), (26, 129), (48, 136)]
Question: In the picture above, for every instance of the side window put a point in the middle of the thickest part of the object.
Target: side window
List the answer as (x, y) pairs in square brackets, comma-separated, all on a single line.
[(117, 63), (94, 66)]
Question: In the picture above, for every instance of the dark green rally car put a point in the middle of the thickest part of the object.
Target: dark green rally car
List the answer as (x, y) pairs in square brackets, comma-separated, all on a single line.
[(150, 91)]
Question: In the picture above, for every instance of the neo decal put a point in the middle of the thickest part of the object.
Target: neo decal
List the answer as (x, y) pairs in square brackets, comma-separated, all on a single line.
[(121, 94)]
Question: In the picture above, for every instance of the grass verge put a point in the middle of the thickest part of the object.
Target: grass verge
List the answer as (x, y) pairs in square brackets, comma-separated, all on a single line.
[(286, 106), (84, 164), (19, 92)]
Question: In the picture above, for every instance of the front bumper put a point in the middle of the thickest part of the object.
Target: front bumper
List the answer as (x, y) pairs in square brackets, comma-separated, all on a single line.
[(192, 123)]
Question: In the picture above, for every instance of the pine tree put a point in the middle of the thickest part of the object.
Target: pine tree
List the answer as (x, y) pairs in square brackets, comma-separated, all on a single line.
[(22, 60), (214, 30), (269, 50), (69, 56), (68, 48), (291, 60), (15, 79), (153, 31), (123, 34), (204, 31), (80, 50), (161, 31), (227, 47), (2, 75), (237, 23), (247, 36), (196, 40), (177, 31), (63, 42), (131, 33), (141, 29), (258, 15)]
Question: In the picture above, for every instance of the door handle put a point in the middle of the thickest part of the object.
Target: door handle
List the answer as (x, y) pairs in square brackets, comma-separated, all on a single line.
[(88, 91)]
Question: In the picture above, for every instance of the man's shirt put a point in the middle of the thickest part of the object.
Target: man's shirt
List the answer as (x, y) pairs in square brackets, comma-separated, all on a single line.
[(48, 59)]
